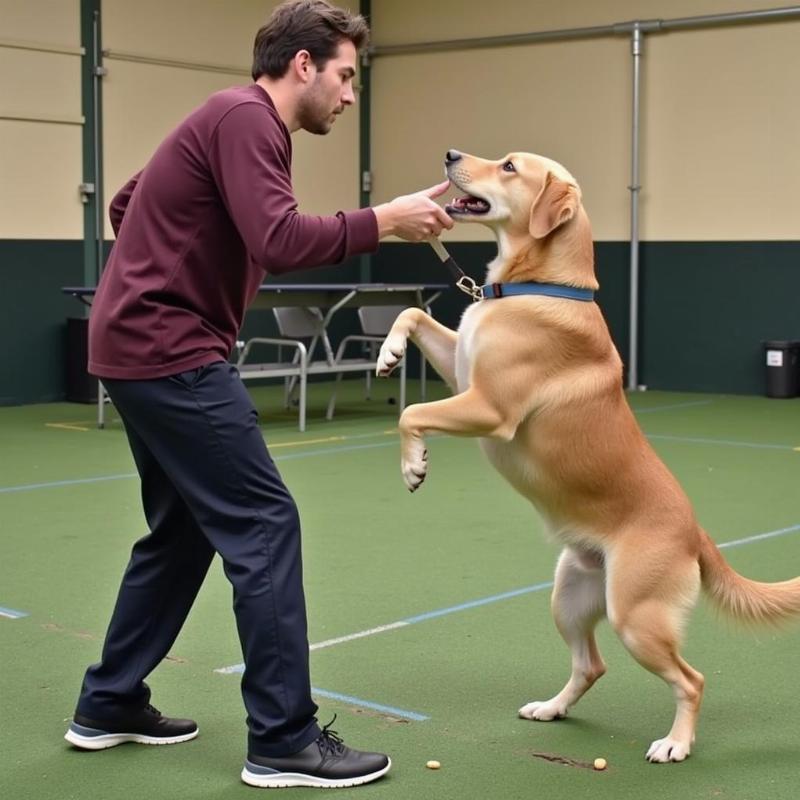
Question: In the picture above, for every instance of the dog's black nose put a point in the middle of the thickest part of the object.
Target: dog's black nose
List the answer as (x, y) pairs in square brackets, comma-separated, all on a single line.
[(451, 156)]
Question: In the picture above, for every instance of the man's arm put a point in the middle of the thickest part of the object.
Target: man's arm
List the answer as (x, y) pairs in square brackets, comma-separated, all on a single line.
[(116, 209), (250, 162)]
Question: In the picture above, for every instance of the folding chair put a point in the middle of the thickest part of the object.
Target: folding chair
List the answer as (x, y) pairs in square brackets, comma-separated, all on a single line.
[(376, 322)]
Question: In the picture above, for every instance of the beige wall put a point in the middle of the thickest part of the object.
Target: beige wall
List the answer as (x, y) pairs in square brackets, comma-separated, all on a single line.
[(40, 115), (41, 161), (720, 121), (720, 118), (722, 135), (144, 101)]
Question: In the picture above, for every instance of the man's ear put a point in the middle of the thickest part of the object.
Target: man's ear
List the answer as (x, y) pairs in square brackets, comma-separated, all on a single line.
[(555, 205), (302, 64)]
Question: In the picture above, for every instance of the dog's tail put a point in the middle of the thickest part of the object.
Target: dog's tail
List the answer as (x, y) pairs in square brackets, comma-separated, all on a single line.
[(746, 600)]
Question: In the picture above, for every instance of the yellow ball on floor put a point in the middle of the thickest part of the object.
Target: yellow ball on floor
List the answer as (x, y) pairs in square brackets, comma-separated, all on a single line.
[(433, 765), (600, 763)]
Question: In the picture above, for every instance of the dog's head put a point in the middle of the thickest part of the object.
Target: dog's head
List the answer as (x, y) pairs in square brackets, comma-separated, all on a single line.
[(533, 205), (521, 193)]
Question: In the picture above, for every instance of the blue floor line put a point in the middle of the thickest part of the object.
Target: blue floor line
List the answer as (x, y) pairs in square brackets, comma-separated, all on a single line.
[(12, 613), (286, 457), (494, 599), (54, 484), (351, 448), (759, 537), (336, 450), (239, 668), (669, 408), (484, 601), (729, 442), (356, 701)]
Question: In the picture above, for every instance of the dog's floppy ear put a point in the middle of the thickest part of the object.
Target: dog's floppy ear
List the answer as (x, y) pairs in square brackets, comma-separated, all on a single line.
[(555, 205)]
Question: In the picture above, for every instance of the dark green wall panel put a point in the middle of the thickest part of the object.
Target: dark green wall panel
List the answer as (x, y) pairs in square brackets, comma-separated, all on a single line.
[(706, 307), (613, 273), (417, 262), (396, 262), (33, 315)]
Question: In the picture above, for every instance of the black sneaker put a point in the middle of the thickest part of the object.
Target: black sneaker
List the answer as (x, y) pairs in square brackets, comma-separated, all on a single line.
[(326, 763), (143, 726)]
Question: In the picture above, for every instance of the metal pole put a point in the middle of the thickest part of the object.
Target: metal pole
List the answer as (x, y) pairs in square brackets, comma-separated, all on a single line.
[(637, 41), (636, 29), (97, 75), (365, 142), (88, 137)]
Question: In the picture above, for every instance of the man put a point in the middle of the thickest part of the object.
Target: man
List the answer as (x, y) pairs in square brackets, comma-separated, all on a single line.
[(197, 229)]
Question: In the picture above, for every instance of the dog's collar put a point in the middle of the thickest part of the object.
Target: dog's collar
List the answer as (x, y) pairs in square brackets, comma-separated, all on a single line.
[(494, 290)]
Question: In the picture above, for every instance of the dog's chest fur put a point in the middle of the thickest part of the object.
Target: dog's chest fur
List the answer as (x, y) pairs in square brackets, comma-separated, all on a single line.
[(511, 459), (467, 335)]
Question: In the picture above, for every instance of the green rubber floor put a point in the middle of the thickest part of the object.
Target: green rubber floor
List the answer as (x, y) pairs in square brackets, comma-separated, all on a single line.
[(447, 590)]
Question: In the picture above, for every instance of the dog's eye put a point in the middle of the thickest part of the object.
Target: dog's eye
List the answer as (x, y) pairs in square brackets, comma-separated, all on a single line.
[(509, 167)]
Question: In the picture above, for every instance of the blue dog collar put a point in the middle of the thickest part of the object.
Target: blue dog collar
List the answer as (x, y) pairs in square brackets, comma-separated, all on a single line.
[(494, 290)]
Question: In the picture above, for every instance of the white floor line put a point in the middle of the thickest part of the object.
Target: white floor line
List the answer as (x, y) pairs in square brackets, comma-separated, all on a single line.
[(412, 620), (360, 635)]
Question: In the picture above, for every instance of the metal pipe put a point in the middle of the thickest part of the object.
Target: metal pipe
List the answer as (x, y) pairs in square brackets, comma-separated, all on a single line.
[(365, 142), (493, 41), (636, 29), (135, 58), (41, 47), (734, 18), (616, 29), (97, 75), (52, 119), (637, 42), (88, 179)]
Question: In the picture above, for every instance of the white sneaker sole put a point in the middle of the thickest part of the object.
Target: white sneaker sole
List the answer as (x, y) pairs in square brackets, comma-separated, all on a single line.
[(282, 780), (105, 740)]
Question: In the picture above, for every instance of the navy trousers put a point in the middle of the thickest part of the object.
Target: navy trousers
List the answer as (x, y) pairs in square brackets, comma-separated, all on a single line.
[(209, 486)]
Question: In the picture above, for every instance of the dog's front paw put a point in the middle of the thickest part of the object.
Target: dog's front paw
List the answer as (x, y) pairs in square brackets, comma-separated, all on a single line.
[(543, 711), (414, 464), (392, 351), (662, 751)]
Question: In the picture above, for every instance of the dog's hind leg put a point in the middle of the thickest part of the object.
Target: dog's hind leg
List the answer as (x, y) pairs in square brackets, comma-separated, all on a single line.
[(578, 603), (647, 609)]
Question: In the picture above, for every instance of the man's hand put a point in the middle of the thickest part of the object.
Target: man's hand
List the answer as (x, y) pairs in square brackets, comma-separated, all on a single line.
[(414, 217)]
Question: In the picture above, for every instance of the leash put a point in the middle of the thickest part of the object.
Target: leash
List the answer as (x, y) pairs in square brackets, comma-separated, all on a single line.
[(495, 290), (463, 281)]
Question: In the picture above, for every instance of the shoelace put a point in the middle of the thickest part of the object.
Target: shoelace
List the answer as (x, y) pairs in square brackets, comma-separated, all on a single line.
[(152, 710), (329, 742)]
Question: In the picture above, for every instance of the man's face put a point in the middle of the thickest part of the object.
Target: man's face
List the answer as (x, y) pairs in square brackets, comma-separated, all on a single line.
[(329, 92)]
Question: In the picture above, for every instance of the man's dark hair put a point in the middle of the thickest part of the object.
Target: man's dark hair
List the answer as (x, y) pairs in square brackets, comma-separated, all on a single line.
[(312, 25)]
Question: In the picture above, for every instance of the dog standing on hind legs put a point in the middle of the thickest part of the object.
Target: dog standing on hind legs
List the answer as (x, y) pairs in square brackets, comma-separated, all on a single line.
[(535, 376)]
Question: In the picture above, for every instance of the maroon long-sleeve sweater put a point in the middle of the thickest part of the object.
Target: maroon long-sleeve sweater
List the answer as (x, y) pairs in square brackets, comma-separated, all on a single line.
[(197, 229)]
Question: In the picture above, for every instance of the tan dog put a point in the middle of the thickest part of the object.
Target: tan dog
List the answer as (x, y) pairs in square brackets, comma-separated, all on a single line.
[(538, 379)]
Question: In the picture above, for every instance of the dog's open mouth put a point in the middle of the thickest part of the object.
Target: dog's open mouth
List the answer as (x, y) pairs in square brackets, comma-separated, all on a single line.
[(468, 205)]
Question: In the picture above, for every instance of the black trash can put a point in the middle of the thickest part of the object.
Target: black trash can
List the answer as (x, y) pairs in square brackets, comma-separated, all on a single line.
[(782, 360), (80, 387)]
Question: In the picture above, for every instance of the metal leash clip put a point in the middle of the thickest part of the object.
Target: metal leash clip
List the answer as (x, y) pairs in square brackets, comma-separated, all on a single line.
[(463, 281), (468, 286)]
